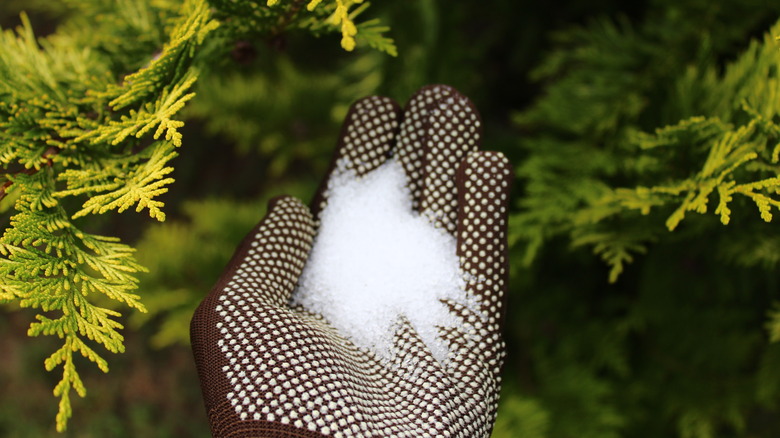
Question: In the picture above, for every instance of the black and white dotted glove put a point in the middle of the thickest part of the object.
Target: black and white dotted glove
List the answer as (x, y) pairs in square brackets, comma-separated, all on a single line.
[(270, 369)]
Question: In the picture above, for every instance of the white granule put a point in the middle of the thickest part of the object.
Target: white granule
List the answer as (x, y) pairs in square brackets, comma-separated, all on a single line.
[(374, 260)]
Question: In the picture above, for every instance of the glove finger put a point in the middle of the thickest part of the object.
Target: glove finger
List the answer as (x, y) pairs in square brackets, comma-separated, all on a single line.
[(367, 137), (477, 349), (454, 129), (264, 269), (266, 264), (412, 136), (271, 258), (483, 182)]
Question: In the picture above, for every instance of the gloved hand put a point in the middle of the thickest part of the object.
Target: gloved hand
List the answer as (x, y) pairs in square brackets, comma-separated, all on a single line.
[(271, 370)]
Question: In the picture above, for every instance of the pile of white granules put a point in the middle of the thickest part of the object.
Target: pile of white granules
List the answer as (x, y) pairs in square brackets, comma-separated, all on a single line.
[(375, 259)]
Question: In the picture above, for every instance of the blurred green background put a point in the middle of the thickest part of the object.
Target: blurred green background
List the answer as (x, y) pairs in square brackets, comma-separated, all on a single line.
[(676, 347)]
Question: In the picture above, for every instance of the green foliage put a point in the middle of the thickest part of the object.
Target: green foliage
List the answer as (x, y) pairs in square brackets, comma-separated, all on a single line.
[(54, 123), (729, 128), (654, 145), (520, 416), (91, 114), (253, 18), (302, 109), (134, 180), (740, 142), (51, 265)]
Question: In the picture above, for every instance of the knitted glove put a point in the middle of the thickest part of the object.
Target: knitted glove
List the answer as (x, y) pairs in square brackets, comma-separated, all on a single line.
[(270, 369)]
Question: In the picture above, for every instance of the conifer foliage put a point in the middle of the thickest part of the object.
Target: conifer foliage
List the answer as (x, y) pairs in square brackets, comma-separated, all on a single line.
[(610, 193), (89, 124), (653, 145)]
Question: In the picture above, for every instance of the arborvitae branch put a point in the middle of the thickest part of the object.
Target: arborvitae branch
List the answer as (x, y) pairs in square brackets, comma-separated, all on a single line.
[(733, 136), (93, 112), (273, 17), (120, 183), (28, 171)]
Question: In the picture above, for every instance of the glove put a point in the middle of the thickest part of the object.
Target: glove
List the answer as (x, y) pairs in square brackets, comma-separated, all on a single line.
[(271, 369)]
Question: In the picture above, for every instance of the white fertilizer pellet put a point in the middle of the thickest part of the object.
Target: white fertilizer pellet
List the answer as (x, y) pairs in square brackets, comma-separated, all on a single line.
[(375, 260)]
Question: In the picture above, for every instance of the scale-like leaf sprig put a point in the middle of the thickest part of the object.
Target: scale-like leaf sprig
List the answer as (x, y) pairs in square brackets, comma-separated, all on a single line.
[(154, 114), (171, 67), (125, 182), (49, 264)]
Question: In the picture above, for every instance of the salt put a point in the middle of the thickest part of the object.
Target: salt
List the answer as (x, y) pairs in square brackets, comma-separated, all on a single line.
[(375, 260)]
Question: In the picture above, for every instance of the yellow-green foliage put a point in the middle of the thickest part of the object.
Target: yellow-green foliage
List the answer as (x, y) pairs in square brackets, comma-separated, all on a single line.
[(91, 114), (520, 417), (653, 144), (300, 109), (271, 17), (731, 135)]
